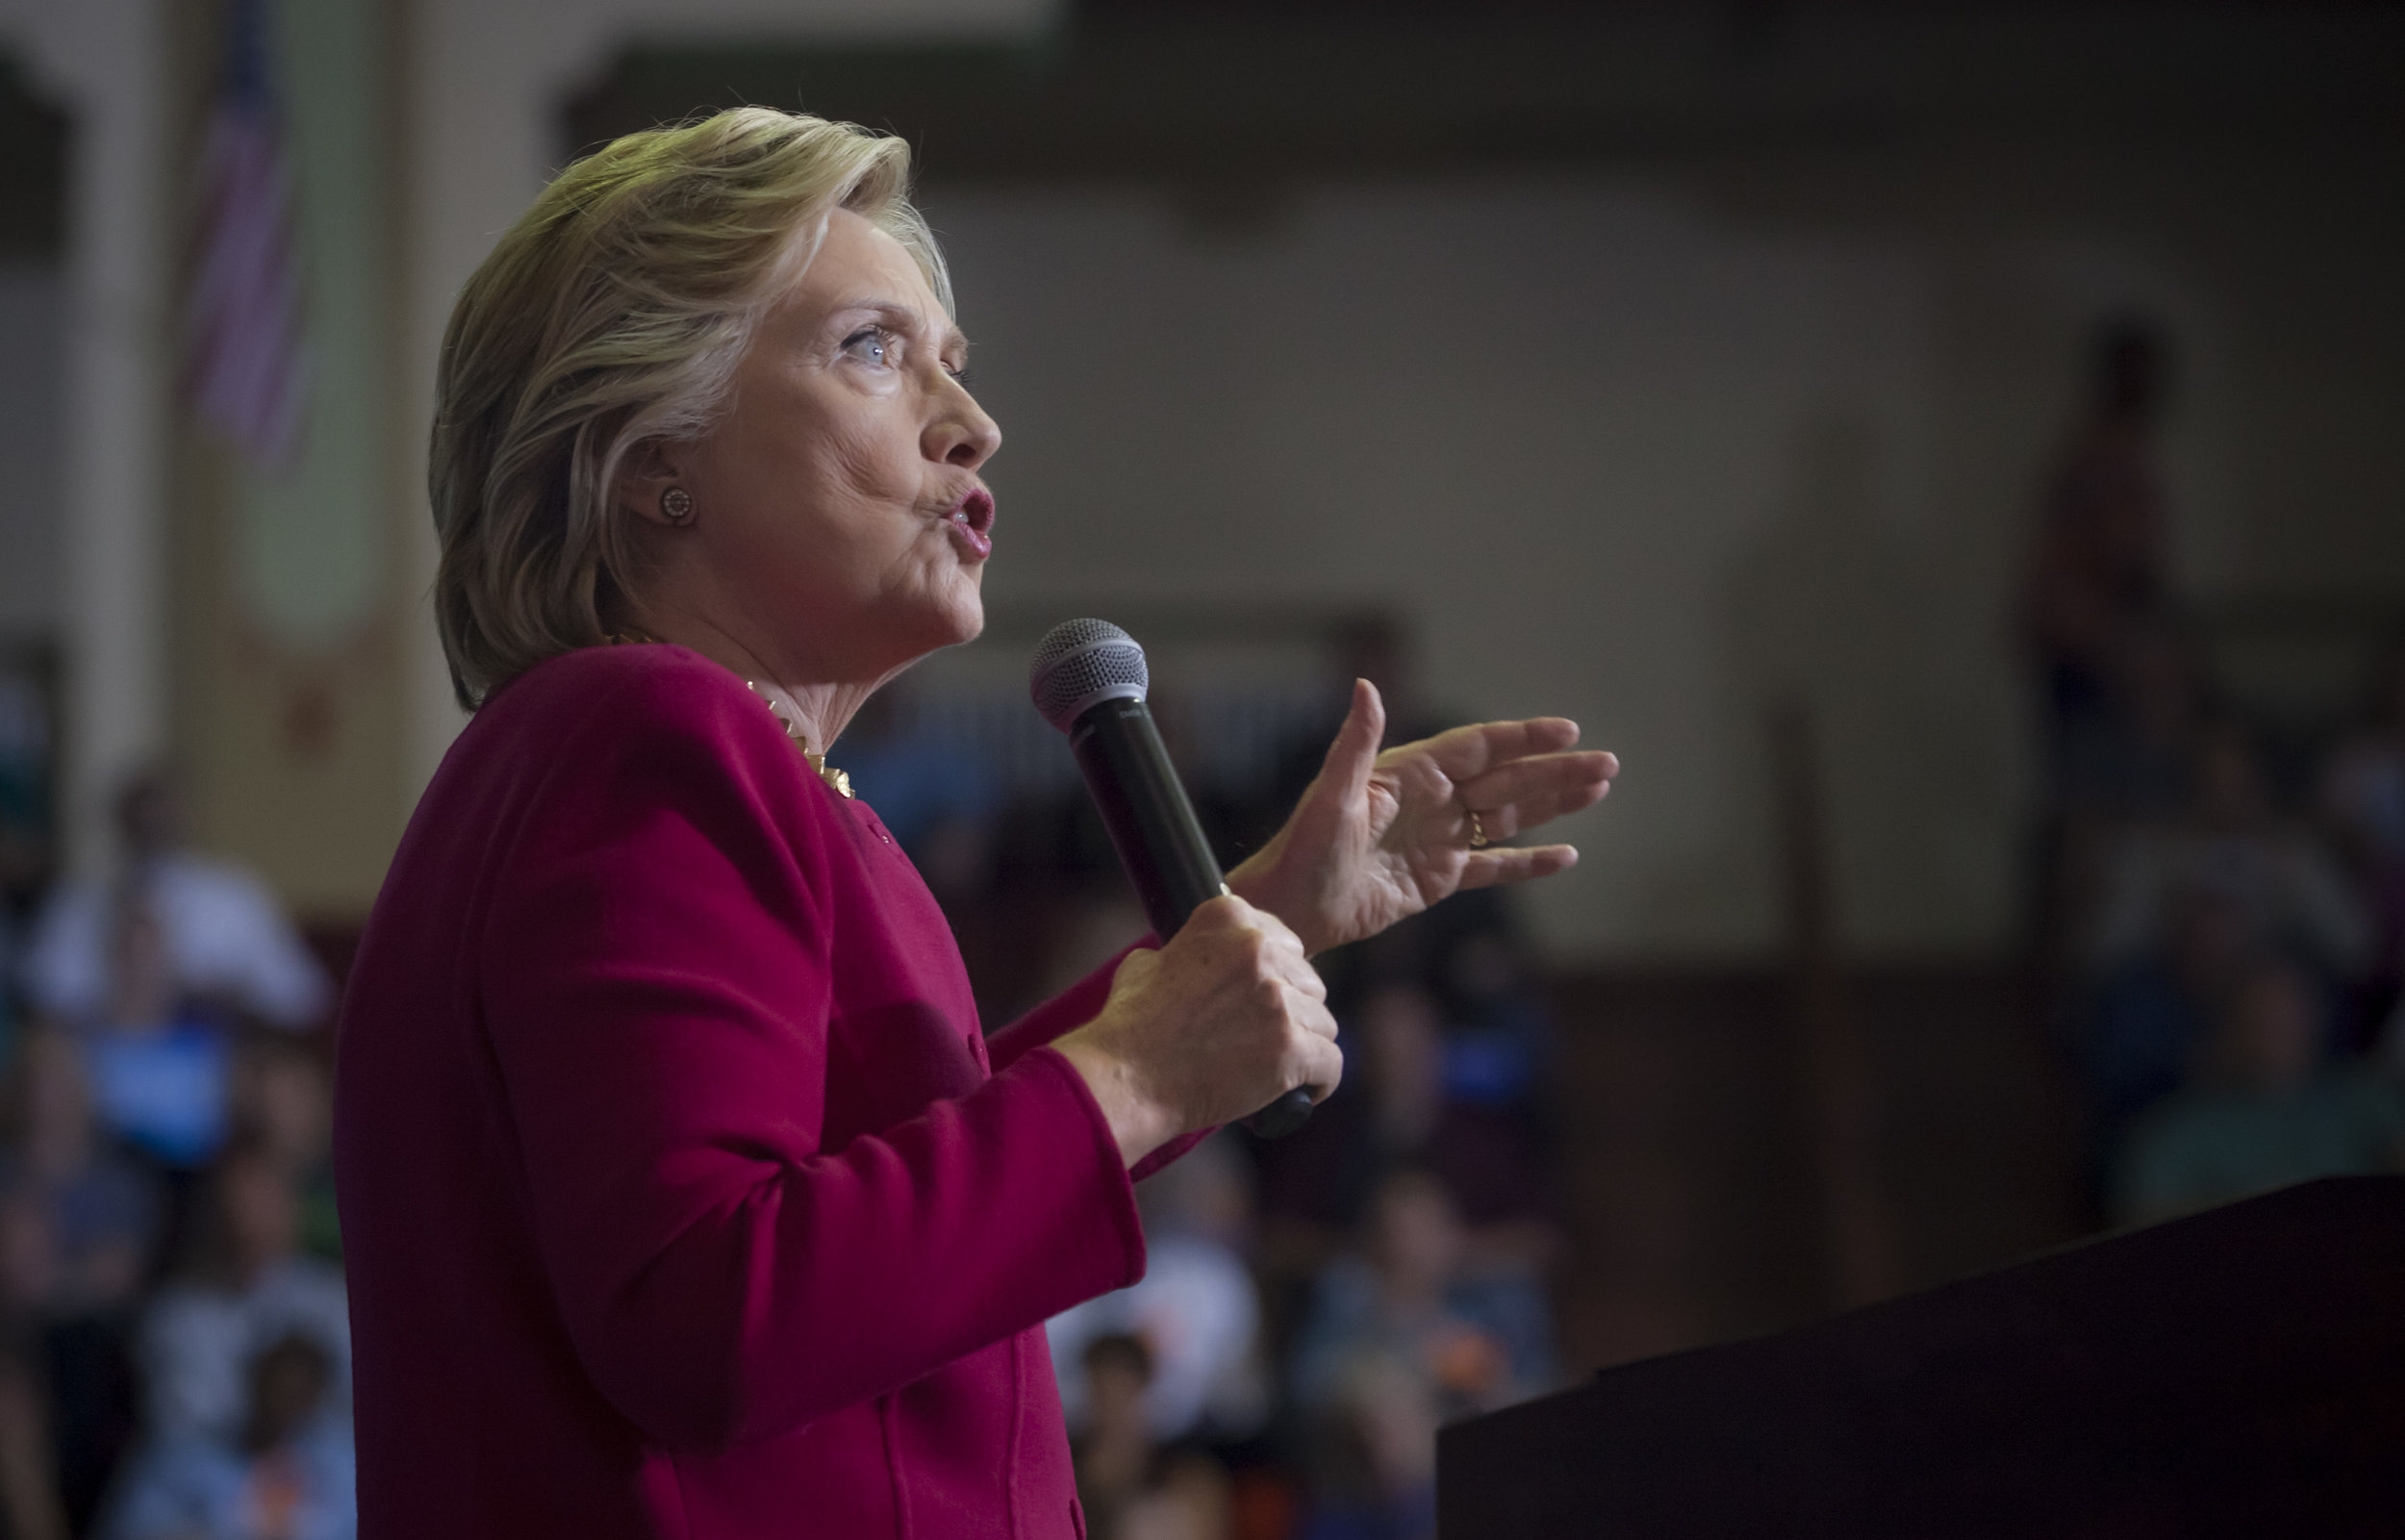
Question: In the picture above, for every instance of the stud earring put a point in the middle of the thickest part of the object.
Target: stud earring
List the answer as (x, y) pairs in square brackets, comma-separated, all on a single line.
[(676, 506)]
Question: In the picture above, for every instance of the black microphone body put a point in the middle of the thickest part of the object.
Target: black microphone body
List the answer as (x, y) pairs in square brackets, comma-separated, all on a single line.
[(1136, 791), (1144, 806)]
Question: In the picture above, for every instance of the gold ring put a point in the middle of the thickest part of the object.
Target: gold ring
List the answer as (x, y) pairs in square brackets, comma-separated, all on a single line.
[(1478, 830)]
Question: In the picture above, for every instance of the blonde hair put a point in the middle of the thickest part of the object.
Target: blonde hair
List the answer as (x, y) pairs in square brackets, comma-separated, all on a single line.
[(615, 312)]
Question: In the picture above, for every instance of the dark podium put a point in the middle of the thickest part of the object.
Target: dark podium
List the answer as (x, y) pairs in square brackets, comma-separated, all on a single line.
[(2240, 1372)]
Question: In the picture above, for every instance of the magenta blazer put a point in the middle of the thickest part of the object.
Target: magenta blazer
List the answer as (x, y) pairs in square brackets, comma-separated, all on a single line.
[(681, 1196)]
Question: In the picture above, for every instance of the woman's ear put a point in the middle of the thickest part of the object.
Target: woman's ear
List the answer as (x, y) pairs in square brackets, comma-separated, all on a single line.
[(649, 484)]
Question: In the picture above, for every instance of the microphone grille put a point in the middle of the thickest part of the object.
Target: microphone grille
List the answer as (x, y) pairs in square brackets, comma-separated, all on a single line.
[(1081, 661)]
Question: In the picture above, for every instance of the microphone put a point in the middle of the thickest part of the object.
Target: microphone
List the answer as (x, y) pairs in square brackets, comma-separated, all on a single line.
[(1089, 680)]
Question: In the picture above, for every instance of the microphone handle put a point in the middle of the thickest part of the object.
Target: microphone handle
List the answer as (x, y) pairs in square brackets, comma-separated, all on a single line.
[(1160, 842)]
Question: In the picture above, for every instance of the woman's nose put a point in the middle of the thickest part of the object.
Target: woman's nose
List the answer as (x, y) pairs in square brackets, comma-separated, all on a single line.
[(962, 434)]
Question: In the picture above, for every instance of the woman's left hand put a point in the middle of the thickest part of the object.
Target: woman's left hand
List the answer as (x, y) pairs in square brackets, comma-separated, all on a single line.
[(1378, 838)]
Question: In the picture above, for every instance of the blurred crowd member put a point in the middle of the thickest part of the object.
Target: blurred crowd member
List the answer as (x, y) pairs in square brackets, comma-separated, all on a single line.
[(281, 1099), (2150, 1015), (2136, 759), (2363, 794), (1418, 1096), (86, 1224), (11, 1013), (1480, 1338), (226, 941), (1196, 1310), (1192, 1499), (1114, 1449), (151, 970), (1132, 1484), (245, 1285), (1374, 1453), (30, 1503), (2100, 564), (2290, 890), (1497, 1036), (2268, 1111), (158, 1067), (102, 1209), (935, 793), (287, 1473)]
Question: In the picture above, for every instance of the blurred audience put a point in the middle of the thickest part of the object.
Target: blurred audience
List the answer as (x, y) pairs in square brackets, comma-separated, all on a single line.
[(1111, 1441), (1477, 1336), (101, 1211), (2100, 566), (243, 1285), (1191, 1499), (1374, 1453), (1498, 1037), (83, 1225), (1133, 1485), (214, 1405), (31, 1499), (1197, 1311), (2149, 1014), (287, 1471), (2179, 917), (159, 1067), (1461, 1104), (155, 969), (2363, 796), (2133, 756), (2218, 952), (281, 1099), (2269, 1110), (2286, 884), (222, 940), (933, 791)]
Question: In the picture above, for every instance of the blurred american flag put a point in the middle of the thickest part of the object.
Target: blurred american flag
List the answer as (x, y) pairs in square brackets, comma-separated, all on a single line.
[(246, 374)]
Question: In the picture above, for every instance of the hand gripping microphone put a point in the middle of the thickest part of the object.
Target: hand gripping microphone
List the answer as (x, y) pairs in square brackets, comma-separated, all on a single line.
[(1089, 680)]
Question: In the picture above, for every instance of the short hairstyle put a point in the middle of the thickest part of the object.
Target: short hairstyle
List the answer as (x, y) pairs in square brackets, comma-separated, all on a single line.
[(614, 313)]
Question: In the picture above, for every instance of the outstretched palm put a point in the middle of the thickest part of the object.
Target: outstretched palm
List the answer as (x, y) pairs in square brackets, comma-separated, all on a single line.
[(1379, 837)]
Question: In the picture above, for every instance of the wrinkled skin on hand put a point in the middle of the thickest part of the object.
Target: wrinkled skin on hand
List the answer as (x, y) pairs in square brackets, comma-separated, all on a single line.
[(1379, 837)]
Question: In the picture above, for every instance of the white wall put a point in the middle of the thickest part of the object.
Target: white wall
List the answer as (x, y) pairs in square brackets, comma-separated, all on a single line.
[(1657, 450)]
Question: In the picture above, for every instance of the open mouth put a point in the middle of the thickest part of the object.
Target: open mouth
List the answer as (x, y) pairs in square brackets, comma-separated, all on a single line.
[(973, 522)]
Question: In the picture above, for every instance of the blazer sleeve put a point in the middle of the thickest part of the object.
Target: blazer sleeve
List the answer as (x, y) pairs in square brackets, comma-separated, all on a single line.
[(655, 985), (1066, 1012)]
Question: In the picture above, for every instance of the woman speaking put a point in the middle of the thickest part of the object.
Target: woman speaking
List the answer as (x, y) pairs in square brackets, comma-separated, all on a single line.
[(682, 1196)]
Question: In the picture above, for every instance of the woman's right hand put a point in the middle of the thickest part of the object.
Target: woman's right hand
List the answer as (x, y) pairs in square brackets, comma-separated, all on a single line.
[(1220, 1022)]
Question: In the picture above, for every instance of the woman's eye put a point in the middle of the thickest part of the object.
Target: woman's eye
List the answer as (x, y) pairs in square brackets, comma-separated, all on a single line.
[(867, 346)]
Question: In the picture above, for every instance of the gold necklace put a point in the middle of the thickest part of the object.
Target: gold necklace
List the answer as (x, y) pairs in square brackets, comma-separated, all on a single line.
[(784, 714), (792, 724)]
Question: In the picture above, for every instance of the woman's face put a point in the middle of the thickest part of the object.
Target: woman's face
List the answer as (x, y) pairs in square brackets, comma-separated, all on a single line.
[(839, 525)]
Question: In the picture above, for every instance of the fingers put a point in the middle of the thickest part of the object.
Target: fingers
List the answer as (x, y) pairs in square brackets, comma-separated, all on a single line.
[(1134, 969), (1281, 952), (1320, 1065), (1500, 868), (1521, 780), (1222, 1017), (1528, 793), (1462, 753), (1226, 911), (1354, 752)]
